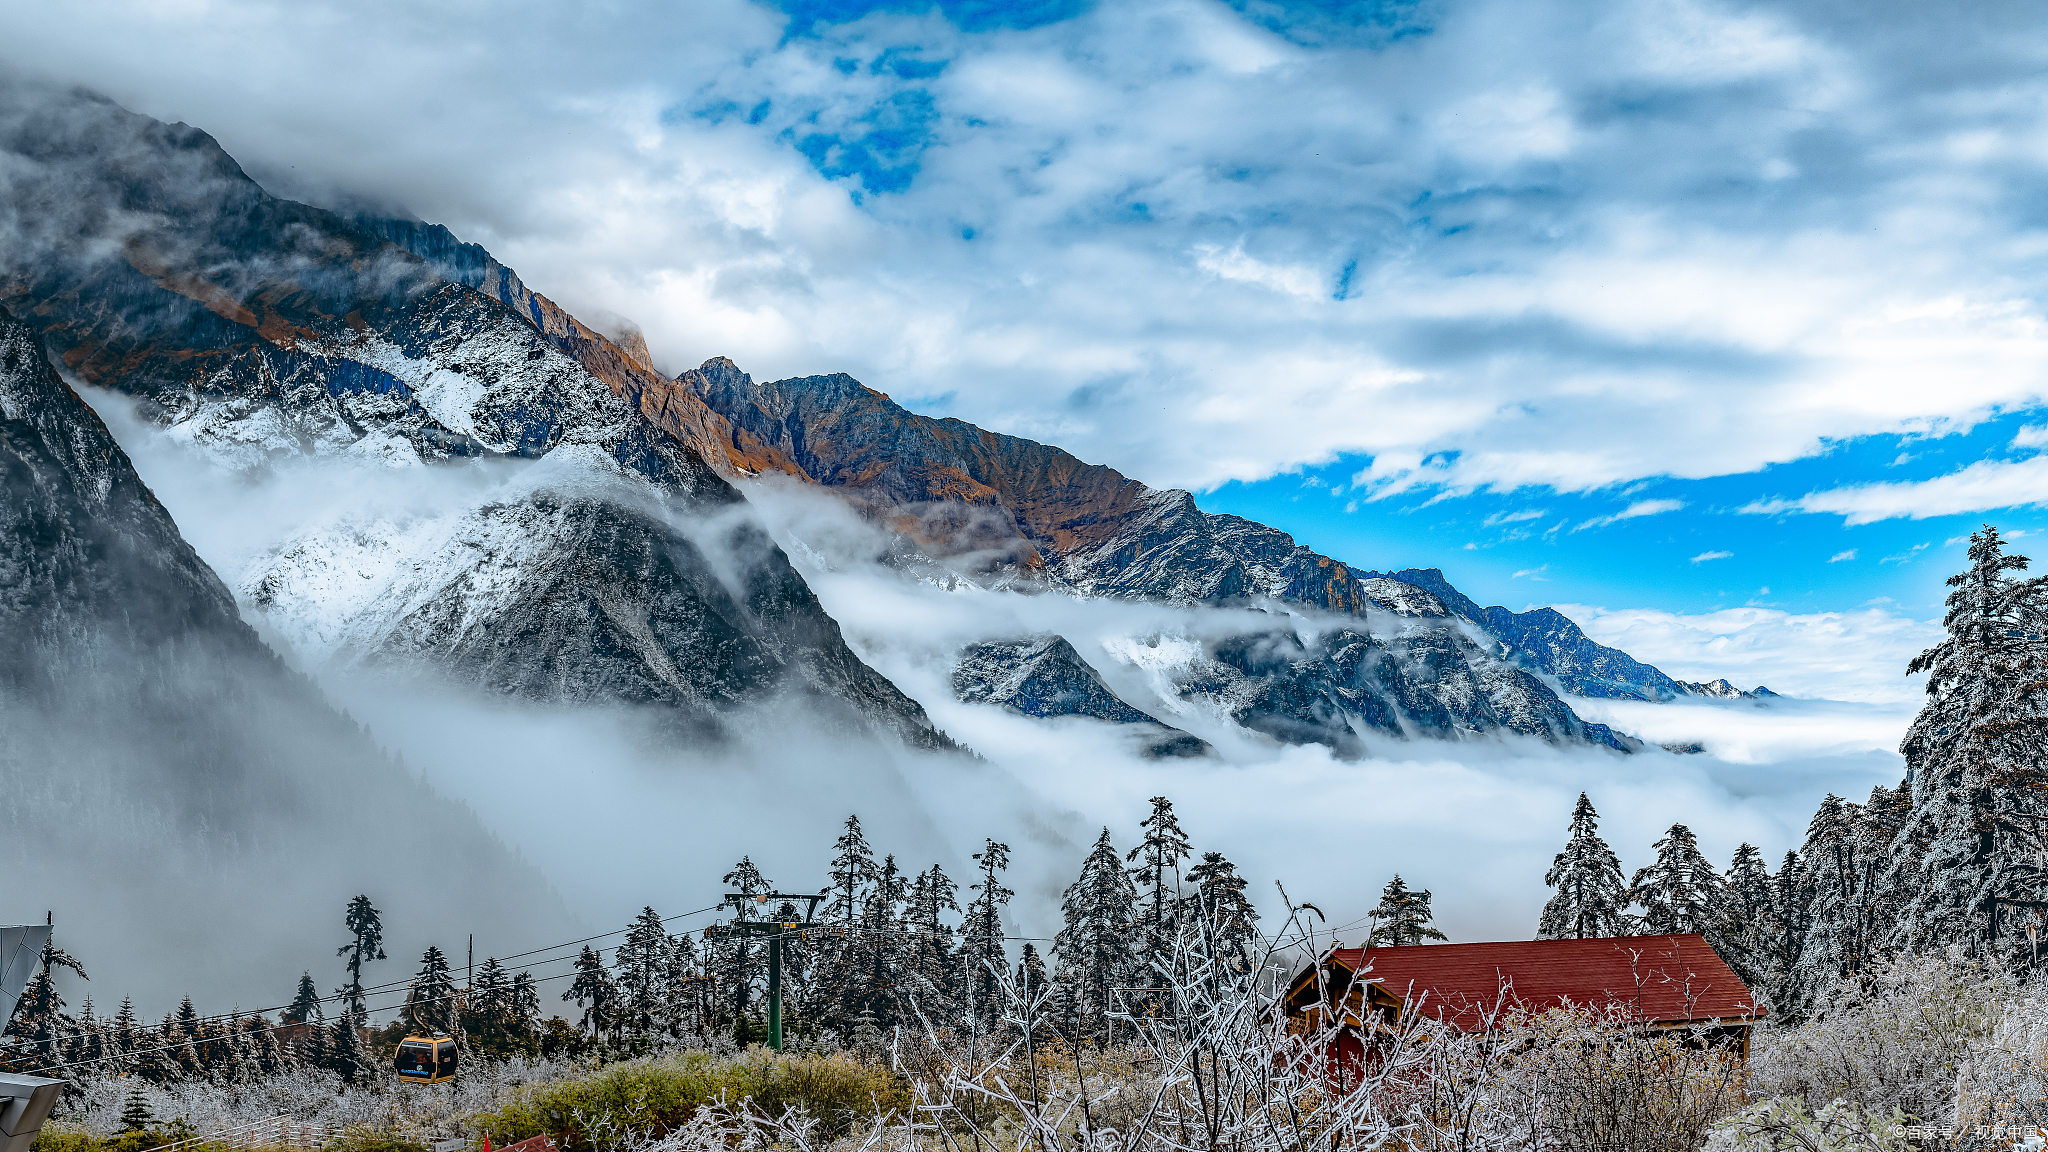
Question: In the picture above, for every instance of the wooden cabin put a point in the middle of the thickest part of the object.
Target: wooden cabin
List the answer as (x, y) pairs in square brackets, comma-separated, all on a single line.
[(1672, 981)]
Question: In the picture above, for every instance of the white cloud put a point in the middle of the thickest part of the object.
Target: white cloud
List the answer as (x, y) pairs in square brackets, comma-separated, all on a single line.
[(1499, 518), (1853, 656), (1531, 277), (2030, 436), (1706, 556), (1639, 508), (1980, 487), (1847, 554)]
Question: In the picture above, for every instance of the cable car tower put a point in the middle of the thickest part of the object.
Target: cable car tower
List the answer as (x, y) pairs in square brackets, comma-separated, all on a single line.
[(775, 932)]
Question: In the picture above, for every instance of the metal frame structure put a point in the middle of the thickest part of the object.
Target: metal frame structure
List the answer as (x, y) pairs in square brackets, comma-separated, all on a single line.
[(775, 932), (25, 1101)]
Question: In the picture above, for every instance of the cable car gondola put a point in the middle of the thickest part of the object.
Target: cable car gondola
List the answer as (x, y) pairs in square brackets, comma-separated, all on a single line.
[(426, 1059)]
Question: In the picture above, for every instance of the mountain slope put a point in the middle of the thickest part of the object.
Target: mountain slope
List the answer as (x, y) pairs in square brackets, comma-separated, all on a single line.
[(263, 333), (165, 776), (1045, 677), (1035, 513)]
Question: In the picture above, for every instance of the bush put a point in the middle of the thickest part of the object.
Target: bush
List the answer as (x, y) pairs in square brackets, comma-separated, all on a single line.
[(653, 1096), (58, 1136)]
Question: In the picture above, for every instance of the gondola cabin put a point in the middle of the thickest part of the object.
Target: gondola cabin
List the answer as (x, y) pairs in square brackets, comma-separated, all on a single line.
[(426, 1059)]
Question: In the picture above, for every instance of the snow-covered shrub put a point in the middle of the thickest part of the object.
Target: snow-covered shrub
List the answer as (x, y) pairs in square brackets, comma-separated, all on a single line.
[(1784, 1125), (1898, 1040)]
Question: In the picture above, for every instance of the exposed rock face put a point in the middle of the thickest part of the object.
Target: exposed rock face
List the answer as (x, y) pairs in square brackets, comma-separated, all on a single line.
[(164, 772), (1347, 684), (1723, 690), (1044, 676), (1092, 531), (259, 331), (1547, 640)]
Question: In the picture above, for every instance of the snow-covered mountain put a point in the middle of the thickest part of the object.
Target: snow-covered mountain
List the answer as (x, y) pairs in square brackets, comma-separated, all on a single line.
[(622, 562), (165, 776), (260, 332)]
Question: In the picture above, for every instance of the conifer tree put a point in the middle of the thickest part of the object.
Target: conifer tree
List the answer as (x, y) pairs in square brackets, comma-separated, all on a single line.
[(981, 936), (366, 944), (1228, 920), (40, 1021), (851, 872), (1848, 910), (928, 959), (1403, 917), (136, 1114), (1094, 949), (1791, 914), (687, 1010), (642, 964), (305, 1005), (1680, 892), (125, 1037), (737, 962), (1976, 757), (594, 992), (1155, 873), (1747, 916), (347, 1057), (1592, 899), (881, 948), (430, 1004)]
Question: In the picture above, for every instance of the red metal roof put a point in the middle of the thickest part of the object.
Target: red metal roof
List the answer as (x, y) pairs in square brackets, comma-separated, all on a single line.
[(1656, 979)]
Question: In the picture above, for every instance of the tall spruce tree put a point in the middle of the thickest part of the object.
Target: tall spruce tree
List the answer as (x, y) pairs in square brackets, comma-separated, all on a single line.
[(1977, 757), (736, 962), (1097, 962), (1155, 871), (982, 955), (642, 964), (594, 992), (1403, 917), (1227, 920), (40, 1022), (366, 944), (1680, 892), (1747, 917), (1848, 906), (305, 1005), (430, 1003), (928, 958), (1592, 897)]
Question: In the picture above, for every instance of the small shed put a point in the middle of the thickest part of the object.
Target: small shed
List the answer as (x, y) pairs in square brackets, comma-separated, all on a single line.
[(1668, 981)]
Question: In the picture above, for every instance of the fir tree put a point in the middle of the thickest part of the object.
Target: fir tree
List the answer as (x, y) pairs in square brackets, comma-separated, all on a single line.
[(594, 992), (1156, 876), (1592, 899), (1680, 892), (881, 948), (40, 1021), (305, 1005), (1976, 757), (1403, 917), (928, 959), (347, 1057), (430, 1004), (642, 964), (367, 944), (136, 1114), (1228, 920), (1847, 909), (737, 962), (124, 1037), (982, 954), (1096, 960), (1747, 917), (852, 871)]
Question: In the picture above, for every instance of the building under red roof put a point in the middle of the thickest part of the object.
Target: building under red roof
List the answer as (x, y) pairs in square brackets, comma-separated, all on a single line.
[(1661, 981)]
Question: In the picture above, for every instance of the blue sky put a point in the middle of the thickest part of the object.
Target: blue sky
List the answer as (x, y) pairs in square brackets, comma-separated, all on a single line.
[(1731, 312)]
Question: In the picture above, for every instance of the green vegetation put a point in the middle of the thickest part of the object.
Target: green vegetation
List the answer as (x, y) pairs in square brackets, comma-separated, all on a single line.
[(658, 1094)]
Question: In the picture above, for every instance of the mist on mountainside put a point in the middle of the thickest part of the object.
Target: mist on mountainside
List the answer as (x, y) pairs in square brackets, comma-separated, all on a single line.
[(191, 812), (1468, 819)]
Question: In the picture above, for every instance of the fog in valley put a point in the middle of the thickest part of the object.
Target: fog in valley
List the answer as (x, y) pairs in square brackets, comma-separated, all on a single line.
[(618, 812)]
